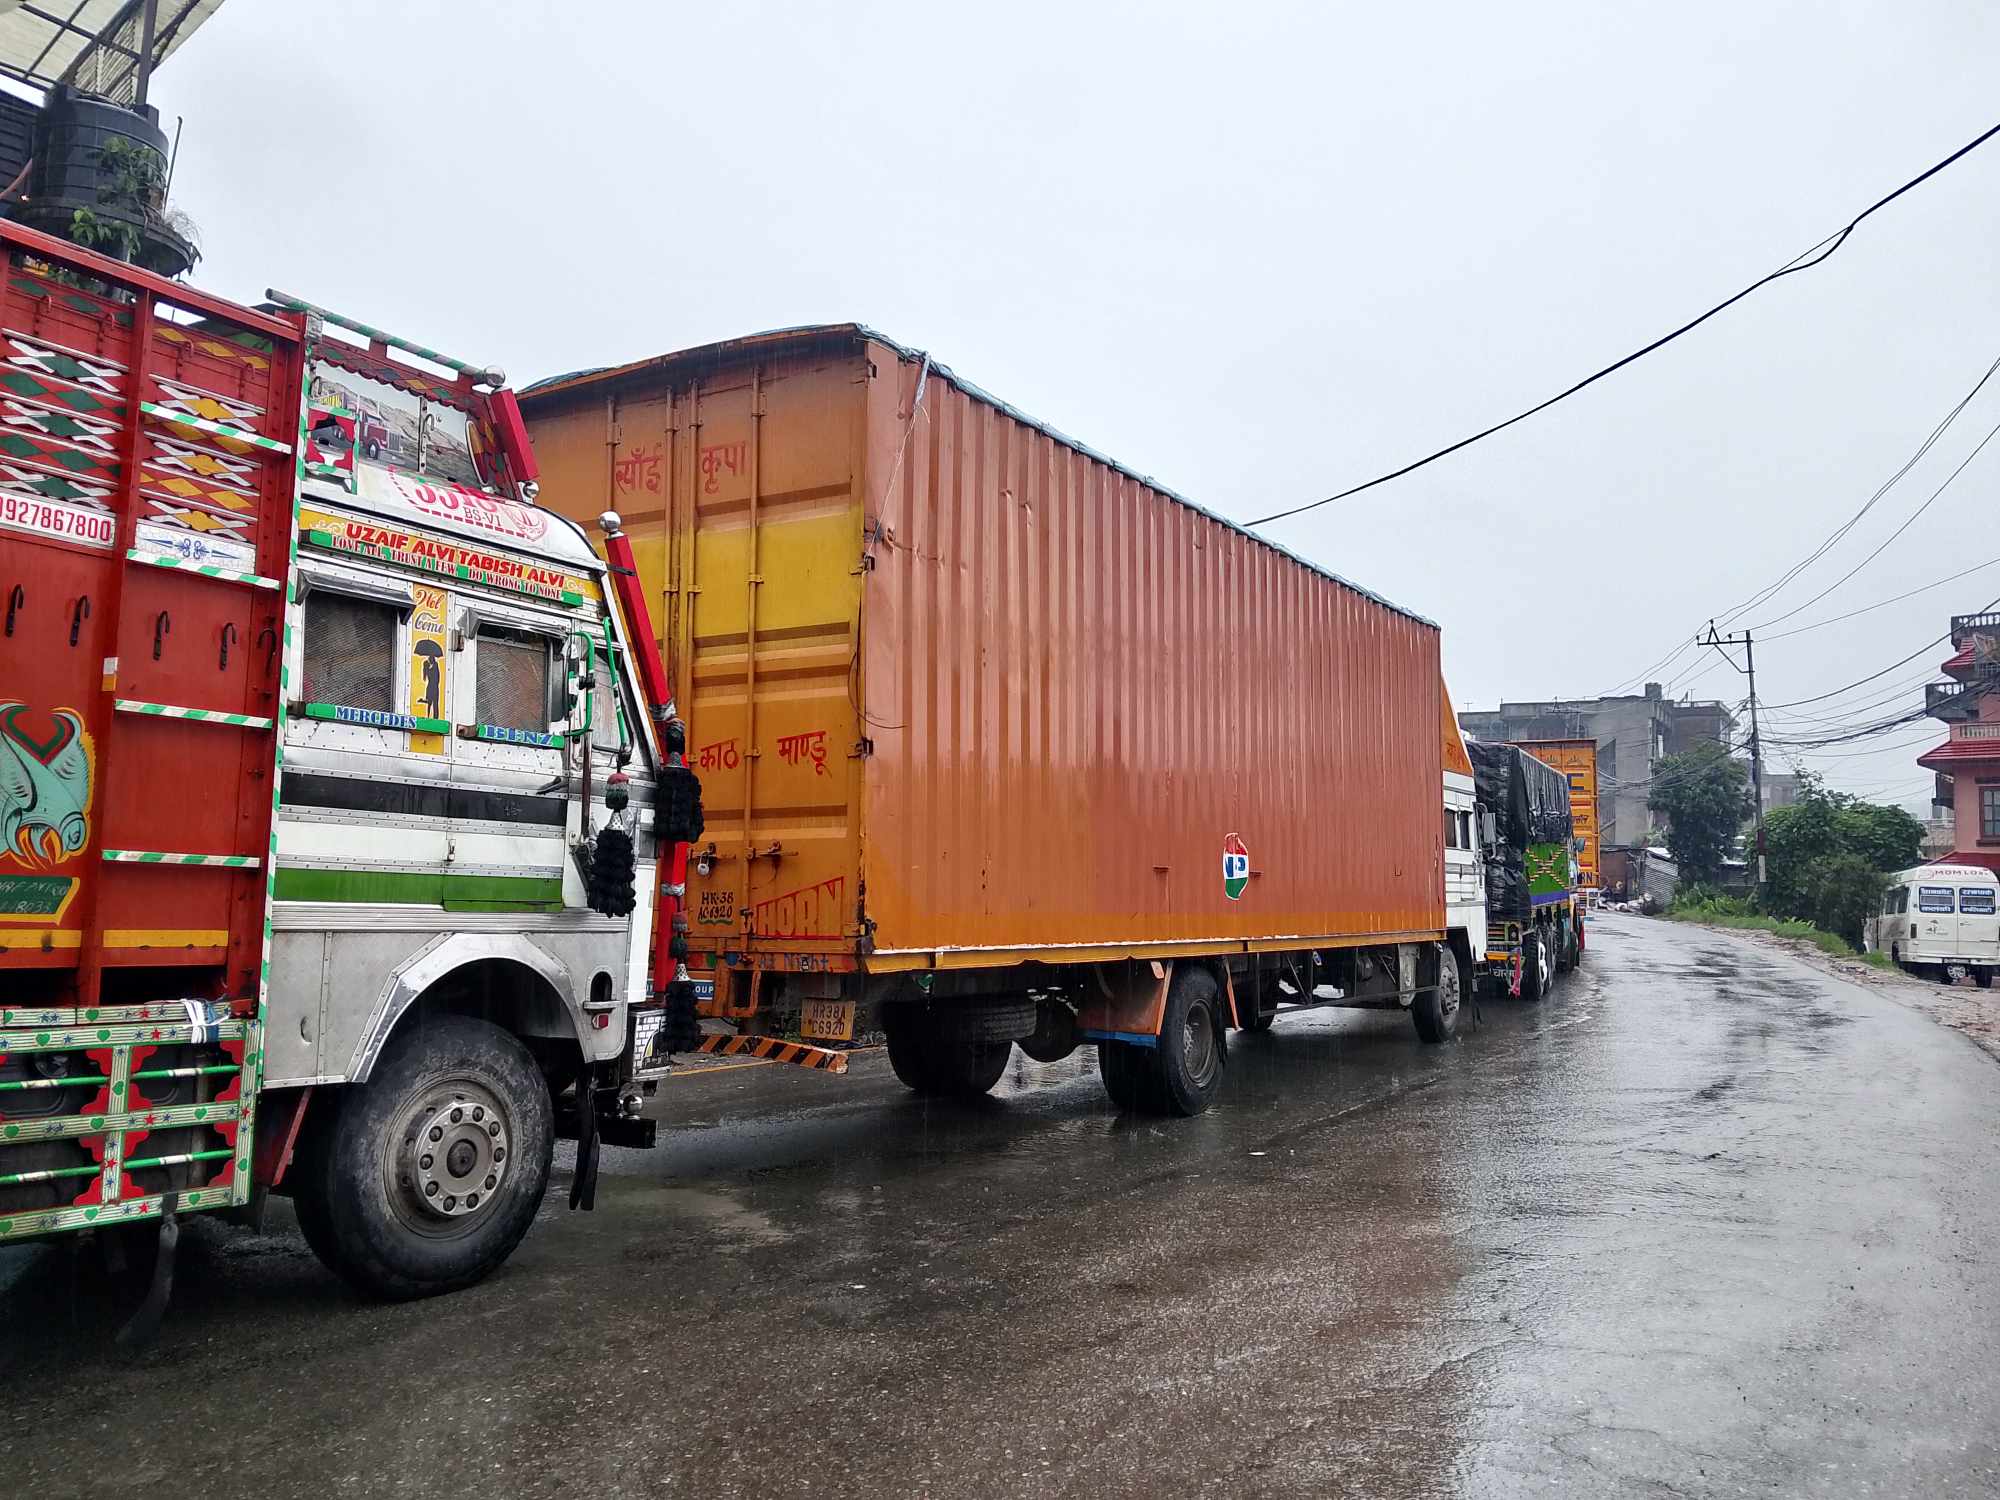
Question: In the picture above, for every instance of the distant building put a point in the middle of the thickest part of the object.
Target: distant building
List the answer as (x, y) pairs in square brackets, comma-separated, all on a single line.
[(1781, 789), (1968, 762), (1633, 732)]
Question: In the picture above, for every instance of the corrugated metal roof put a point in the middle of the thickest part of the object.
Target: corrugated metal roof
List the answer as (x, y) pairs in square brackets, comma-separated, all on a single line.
[(728, 350), (91, 43)]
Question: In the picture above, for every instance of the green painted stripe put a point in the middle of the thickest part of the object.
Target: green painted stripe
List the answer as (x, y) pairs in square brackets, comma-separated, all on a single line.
[(55, 1220), (12, 1178), (340, 713), (160, 857), (377, 335), (421, 888), (69, 1127), (68, 1080), (125, 1034), (205, 570), (193, 715), (218, 429), (175, 1160)]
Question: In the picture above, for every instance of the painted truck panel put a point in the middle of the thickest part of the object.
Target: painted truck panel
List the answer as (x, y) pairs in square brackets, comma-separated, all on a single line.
[(963, 691), (1577, 760), (148, 474)]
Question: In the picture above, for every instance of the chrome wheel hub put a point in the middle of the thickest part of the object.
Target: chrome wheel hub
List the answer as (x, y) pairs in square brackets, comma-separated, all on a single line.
[(1198, 1043), (452, 1154)]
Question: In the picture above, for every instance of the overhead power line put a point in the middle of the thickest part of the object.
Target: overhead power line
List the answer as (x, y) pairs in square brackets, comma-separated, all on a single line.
[(1884, 603), (1766, 593), (1770, 590), (1927, 646), (1993, 432), (1804, 261)]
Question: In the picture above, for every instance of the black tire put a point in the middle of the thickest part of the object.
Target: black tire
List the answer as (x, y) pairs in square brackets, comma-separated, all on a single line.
[(935, 1057), (903, 1027), (1054, 1036), (1534, 960), (1983, 978), (986, 1020), (1565, 937), (1120, 1067), (966, 1070), (1185, 1069), (1436, 1011), (366, 1178)]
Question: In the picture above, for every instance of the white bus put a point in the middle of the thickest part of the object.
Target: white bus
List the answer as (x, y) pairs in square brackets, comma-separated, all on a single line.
[(1939, 918)]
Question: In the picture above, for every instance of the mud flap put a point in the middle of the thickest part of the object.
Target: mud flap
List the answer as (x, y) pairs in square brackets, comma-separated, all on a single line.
[(583, 1187), (144, 1325), (1132, 1011)]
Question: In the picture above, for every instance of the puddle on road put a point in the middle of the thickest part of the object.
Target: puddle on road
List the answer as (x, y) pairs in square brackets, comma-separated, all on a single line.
[(710, 1211)]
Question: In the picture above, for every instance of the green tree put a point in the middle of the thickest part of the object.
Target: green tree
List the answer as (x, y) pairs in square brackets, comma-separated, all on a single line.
[(1700, 792), (1828, 852)]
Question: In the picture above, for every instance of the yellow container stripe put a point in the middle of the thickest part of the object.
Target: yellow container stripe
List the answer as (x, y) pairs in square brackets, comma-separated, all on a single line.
[(41, 937), (166, 937)]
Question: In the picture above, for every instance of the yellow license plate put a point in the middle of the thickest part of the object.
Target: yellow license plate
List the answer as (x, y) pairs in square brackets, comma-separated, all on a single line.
[(828, 1020)]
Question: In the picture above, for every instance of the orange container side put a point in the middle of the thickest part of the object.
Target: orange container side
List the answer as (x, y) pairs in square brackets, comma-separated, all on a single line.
[(962, 692)]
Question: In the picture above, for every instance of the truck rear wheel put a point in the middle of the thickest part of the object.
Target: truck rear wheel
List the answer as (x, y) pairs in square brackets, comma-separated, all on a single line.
[(1121, 1066), (1535, 975), (424, 1179), (1435, 1012), (1183, 1072), (933, 1055)]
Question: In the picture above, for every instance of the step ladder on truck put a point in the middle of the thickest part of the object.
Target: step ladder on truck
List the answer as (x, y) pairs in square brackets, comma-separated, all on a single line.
[(331, 774)]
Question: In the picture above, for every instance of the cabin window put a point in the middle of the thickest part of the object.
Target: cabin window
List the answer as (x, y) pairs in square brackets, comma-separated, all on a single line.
[(1465, 830), (1976, 900), (1450, 829), (1889, 902), (1902, 899), (1989, 812), (514, 679), (350, 651), (1934, 898)]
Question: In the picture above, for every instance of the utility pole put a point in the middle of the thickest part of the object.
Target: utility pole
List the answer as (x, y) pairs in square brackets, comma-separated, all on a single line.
[(1749, 669)]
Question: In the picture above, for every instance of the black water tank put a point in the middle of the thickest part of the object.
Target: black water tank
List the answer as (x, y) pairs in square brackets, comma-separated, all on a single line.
[(69, 142), (18, 119)]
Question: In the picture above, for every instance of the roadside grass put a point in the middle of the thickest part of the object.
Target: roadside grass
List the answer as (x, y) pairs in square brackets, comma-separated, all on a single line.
[(1732, 911)]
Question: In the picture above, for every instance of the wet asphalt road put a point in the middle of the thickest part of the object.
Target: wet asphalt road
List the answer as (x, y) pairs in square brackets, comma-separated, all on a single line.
[(1708, 1222)]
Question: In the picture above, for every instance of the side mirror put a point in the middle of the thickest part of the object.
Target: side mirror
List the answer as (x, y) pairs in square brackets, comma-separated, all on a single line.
[(1489, 830)]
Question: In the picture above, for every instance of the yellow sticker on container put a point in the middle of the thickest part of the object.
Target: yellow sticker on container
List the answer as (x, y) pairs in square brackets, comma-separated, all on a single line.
[(428, 658)]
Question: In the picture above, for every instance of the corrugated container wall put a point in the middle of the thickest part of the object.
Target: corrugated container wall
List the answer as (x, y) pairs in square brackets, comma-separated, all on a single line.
[(984, 694)]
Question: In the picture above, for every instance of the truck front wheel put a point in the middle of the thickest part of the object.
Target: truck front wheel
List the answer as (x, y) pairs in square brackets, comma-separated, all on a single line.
[(1435, 1012), (424, 1179)]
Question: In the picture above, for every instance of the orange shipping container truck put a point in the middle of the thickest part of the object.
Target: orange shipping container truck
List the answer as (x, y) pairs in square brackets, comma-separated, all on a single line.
[(1000, 741)]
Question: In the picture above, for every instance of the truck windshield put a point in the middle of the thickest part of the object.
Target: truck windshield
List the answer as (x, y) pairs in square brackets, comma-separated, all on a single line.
[(396, 428)]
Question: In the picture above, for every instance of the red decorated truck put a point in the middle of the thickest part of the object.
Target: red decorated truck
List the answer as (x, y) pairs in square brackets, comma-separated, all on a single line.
[(327, 786)]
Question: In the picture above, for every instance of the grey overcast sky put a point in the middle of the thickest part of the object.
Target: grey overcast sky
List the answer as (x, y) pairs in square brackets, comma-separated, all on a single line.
[(1259, 251)]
